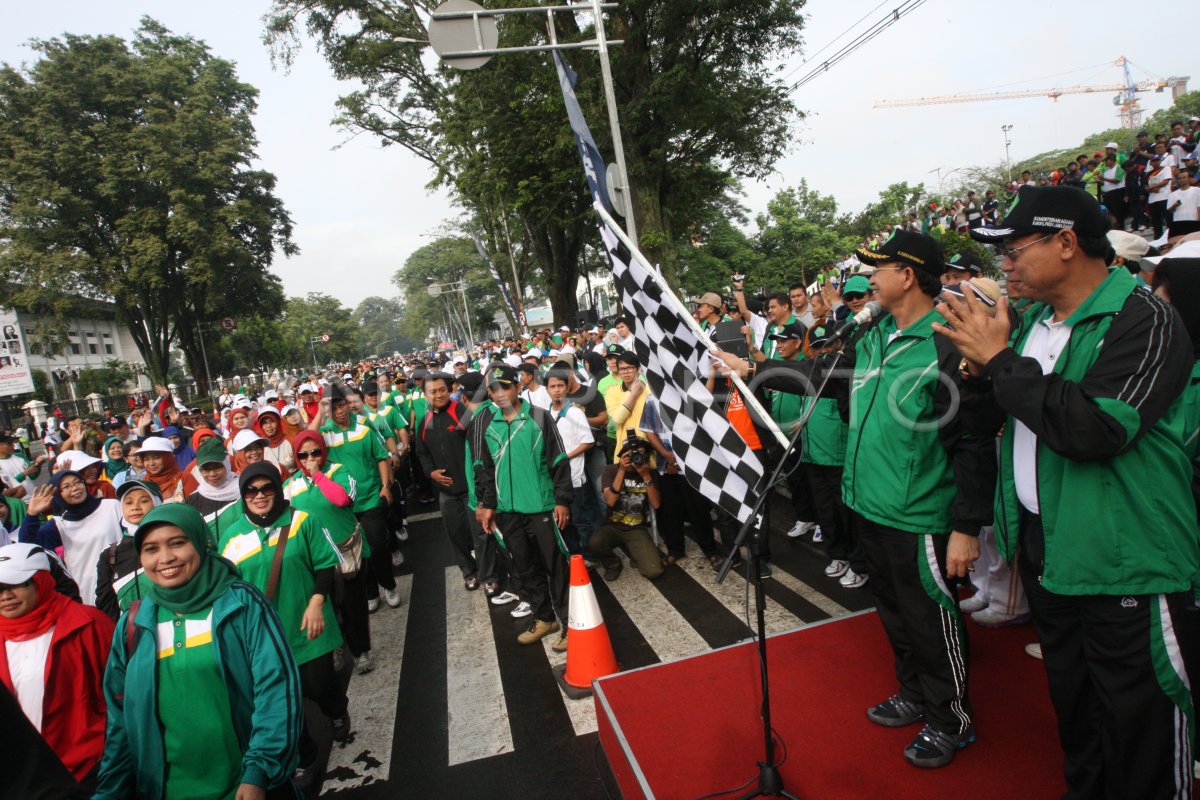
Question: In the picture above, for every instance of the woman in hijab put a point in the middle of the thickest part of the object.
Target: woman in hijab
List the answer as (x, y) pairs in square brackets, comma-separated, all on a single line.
[(136, 470), (328, 495), (293, 422), (184, 454), (248, 448), (216, 496), (278, 449), (114, 459), (300, 594), (240, 419), (117, 570), (52, 655), (90, 467), (158, 456), (83, 525), (200, 678)]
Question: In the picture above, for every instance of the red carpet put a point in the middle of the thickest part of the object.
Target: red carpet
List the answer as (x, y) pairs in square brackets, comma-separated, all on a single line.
[(692, 726)]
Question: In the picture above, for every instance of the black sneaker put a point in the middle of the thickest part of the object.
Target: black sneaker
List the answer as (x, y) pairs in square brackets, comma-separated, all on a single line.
[(737, 562), (341, 728), (933, 748), (896, 712)]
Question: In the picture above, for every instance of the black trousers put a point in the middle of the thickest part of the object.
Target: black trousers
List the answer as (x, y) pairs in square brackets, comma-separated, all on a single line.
[(1115, 200), (1113, 664), (466, 535), (1137, 207), (923, 625), (681, 503), (538, 564), (841, 536), (350, 603), (1158, 217), (379, 565), (320, 683), (802, 499)]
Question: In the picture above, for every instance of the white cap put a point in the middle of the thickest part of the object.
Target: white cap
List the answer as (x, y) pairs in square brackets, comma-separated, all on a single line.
[(1113, 145), (564, 329), (553, 353), (241, 403), (306, 387), (245, 438), (270, 394), (459, 360), (566, 348), (533, 353), (513, 360), (80, 460), (152, 444), (593, 329), (19, 562), (1128, 246), (1189, 249), (347, 377), (289, 408)]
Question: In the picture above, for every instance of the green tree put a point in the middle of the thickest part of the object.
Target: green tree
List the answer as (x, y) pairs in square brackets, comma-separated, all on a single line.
[(447, 260), (797, 237), (893, 207), (314, 315), (103, 380), (379, 320), (124, 176)]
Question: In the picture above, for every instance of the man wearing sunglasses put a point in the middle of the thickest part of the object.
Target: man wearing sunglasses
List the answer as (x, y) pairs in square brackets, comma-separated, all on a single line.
[(1091, 382)]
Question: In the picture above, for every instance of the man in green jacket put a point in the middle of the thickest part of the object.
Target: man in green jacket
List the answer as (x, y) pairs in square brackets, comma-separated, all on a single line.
[(919, 482), (1094, 497), (523, 487)]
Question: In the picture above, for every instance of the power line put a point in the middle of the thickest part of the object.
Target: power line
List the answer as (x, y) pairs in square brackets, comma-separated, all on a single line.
[(833, 41), (870, 33)]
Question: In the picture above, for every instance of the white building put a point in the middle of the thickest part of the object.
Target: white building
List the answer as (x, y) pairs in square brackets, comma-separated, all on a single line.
[(90, 343)]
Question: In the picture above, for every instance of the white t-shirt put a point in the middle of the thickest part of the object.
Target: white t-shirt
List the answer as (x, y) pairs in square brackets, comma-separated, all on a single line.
[(1045, 343), (83, 542), (27, 665), (1162, 176), (574, 429), (1189, 204), (538, 397), (12, 473)]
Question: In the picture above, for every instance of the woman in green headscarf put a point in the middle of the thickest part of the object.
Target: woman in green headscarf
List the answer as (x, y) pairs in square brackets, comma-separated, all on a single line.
[(114, 459), (203, 694)]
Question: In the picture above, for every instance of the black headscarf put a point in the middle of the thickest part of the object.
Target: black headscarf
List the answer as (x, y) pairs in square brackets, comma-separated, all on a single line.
[(263, 469), (65, 510), (1182, 277)]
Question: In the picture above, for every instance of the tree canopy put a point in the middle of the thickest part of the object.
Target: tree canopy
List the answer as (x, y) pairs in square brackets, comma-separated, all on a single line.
[(125, 175)]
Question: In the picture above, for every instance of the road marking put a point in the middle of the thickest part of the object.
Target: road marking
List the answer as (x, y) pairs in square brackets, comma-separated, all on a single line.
[(368, 755), (732, 593), (477, 714), (664, 628), (582, 712)]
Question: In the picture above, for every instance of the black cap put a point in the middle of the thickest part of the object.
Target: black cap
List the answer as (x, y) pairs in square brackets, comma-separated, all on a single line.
[(966, 261), (1049, 209), (907, 247), (419, 374), (629, 357), (793, 330), (335, 392), (615, 350), (370, 387), (502, 374), (469, 382)]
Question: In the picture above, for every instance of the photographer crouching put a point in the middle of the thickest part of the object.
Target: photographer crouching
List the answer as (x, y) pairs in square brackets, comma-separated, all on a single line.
[(628, 486)]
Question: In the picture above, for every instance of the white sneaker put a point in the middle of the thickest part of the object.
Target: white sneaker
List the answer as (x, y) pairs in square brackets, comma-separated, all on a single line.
[(363, 664), (504, 598), (818, 535), (836, 568), (372, 605), (522, 610), (1034, 649), (998, 619), (852, 580), (800, 528), (397, 558), (976, 602), (402, 534), (391, 597)]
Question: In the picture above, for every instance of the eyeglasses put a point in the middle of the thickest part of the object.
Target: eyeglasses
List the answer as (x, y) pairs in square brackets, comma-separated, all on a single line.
[(65, 485), (1011, 253), (311, 454), (266, 490)]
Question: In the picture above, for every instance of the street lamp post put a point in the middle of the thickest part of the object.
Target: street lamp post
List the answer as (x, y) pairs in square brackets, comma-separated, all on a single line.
[(458, 286), (1007, 161)]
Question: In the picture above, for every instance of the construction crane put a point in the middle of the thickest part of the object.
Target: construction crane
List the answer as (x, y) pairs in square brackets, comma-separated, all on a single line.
[(1129, 110)]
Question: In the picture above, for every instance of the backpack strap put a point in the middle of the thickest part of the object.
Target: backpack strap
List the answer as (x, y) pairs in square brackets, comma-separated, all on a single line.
[(130, 627), (277, 563)]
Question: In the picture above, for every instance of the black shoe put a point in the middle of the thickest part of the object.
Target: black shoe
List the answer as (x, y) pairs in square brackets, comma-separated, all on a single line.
[(933, 748), (304, 778), (896, 712), (341, 728), (737, 562)]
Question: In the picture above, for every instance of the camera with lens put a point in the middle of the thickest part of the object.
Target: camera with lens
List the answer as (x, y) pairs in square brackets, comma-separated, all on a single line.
[(636, 447)]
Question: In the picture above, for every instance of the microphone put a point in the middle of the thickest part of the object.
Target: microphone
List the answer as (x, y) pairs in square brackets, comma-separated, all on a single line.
[(871, 312)]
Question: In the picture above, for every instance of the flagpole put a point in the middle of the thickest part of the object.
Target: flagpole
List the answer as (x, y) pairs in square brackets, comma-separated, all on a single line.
[(680, 309)]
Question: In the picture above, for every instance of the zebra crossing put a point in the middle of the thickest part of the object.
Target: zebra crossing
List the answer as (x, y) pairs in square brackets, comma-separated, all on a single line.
[(457, 706)]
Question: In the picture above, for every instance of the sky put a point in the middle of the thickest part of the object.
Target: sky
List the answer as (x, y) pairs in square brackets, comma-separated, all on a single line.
[(360, 209)]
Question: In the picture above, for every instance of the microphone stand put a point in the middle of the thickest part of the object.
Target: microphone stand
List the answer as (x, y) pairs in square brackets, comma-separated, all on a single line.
[(770, 782)]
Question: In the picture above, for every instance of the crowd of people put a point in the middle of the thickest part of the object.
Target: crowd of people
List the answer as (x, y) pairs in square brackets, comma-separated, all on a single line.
[(187, 578), (1151, 186)]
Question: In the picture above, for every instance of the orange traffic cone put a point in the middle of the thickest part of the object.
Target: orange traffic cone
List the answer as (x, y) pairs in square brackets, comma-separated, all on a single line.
[(589, 650)]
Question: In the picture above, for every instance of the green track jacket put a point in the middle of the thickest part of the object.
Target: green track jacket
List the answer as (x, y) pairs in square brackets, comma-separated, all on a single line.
[(521, 466)]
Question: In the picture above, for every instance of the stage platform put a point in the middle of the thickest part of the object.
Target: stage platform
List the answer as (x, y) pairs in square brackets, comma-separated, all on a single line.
[(685, 728)]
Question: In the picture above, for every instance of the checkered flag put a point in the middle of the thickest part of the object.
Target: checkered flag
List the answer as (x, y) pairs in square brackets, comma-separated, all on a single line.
[(713, 457)]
